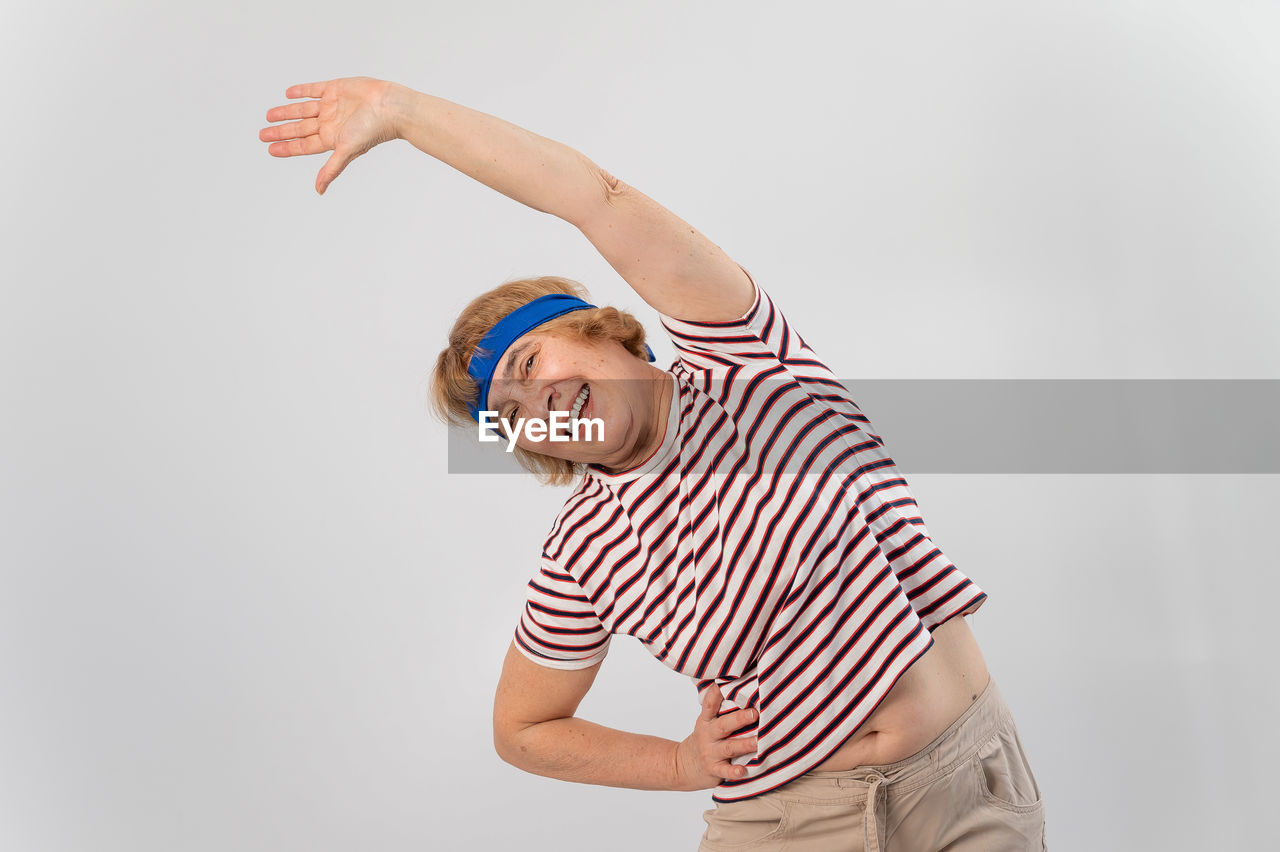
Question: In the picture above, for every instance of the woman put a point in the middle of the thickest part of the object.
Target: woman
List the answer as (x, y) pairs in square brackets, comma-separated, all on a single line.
[(736, 514)]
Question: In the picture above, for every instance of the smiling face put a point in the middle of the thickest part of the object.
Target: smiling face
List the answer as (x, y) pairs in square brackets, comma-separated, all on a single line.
[(543, 372)]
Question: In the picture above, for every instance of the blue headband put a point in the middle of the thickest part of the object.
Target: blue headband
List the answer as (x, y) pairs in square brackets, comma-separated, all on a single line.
[(507, 330)]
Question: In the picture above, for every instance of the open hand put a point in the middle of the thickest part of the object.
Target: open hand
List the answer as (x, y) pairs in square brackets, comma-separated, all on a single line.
[(347, 116), (703, 759)]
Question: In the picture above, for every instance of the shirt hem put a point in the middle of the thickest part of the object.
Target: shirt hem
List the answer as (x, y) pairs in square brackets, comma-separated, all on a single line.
[(807, 765)]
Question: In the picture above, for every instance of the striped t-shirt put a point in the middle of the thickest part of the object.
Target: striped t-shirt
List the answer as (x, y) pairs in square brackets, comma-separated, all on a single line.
[(769, 545)]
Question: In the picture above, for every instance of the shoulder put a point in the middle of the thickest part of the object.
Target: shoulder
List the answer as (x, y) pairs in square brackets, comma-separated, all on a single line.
[(761, 339)]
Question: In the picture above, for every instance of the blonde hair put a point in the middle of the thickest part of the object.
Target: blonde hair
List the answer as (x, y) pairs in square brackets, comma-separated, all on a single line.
[(453, 390)]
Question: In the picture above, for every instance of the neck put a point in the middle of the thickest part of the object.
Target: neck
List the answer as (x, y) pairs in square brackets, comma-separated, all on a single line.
[(655, 429)]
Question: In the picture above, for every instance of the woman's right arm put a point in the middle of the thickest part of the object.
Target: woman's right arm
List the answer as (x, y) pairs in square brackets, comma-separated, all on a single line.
[(351, 115), (535, 729), (670, 264)]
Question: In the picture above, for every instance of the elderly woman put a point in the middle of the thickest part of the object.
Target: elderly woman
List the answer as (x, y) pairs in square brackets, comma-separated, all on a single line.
[(737, 514)]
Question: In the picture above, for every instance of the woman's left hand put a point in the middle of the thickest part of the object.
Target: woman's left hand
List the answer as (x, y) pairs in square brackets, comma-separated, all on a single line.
[(704, 758)]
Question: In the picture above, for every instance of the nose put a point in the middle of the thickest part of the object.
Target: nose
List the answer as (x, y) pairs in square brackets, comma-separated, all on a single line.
[(551, 398), (538, 399)]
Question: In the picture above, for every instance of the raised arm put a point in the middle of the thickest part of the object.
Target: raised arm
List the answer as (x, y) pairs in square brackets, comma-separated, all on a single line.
[(672, 266)]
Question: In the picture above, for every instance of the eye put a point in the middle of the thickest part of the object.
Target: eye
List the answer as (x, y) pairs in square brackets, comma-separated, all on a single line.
[(528, 365)]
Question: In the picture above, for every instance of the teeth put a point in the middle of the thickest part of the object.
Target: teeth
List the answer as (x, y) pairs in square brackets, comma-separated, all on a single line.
[(580, 401)]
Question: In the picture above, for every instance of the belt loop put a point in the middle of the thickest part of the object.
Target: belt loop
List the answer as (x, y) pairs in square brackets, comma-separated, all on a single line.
[(871, 819)]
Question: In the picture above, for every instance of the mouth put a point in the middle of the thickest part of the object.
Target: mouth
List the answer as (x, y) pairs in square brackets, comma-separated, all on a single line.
[(580, 403)]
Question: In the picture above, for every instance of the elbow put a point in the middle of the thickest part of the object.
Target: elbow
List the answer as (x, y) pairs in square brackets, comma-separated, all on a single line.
[(512, 745), (504, 743), (600, 193), (610, 189), (506, 750), (530, 749), (505, 754)]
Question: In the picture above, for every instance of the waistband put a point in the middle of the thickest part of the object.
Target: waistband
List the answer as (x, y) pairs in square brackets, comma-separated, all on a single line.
[(975, 726)]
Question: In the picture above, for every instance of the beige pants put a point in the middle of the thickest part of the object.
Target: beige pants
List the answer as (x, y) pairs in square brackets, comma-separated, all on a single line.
[(970, 790)]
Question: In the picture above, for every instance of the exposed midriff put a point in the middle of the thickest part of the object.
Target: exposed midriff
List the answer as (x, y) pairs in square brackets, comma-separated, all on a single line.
[(929, 696)]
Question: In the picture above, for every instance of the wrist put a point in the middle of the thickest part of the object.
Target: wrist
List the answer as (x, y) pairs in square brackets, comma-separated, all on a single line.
[(683, 779), (678, 783), (397, 103)]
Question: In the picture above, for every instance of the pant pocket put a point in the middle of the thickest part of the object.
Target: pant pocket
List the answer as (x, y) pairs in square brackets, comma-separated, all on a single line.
[(1004, 773), (733, 826)]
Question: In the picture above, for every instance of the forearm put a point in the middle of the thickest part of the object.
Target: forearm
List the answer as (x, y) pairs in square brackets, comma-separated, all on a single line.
[(574, 749), (538, 172)]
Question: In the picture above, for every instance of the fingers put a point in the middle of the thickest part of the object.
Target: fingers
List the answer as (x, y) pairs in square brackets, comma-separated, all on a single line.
[(730, 722), (711, 701), (724, 725), (730, 749), (717, 748), (296, 147), (293, 130), (330, 170), (737, 748), (728, 771), (306, 90), (307, 109)]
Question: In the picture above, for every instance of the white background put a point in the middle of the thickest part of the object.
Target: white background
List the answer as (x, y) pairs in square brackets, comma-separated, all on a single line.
[(242, 604)]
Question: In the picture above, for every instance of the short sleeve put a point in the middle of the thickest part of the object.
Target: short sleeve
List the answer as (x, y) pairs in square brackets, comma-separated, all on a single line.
[(761, 343), (720, 346), (559, 628)]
